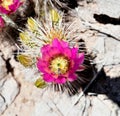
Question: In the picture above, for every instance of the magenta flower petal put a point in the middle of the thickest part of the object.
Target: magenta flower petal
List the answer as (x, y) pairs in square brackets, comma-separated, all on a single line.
[(54, 51), (11, 8), (60, 80), (57, 43), (74, 52), (47, 55), (48, 78), (48, 51), (43, 66), (45, 48), (41, 63), (81, 68), (3, 10), (78, 61), (45, 52), (72, 77), (67, 52), (81, 58), (15, 5), (2, 22)]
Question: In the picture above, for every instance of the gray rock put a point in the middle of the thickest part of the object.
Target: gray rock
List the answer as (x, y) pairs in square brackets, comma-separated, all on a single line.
[(109, 7), (107, 47), (45, 110), (3, 70), (8, 91), (99, 108), (108, 51), (2, 103)]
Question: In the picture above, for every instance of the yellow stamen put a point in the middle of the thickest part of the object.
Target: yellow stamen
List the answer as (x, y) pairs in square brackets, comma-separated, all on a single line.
[(56, 34), (6, 3), (59, 65)]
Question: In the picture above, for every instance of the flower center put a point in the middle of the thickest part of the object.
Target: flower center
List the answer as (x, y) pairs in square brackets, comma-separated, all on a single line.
[(59, 65), (6, 3)]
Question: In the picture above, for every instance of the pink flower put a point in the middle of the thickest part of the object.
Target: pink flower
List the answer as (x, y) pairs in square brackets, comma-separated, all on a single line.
[(2, 22), (9, 6), (59, 62)]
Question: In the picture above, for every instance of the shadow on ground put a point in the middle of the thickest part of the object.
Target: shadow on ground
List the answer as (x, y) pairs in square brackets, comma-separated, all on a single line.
[(108, 86)]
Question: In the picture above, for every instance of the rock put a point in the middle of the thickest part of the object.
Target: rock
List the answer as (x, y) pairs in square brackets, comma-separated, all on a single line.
[(81, 109), (107, 47), (44, 109), (113, 71), (107, 6), (35, 102), (112, 54), (8, 91), (2, 103), (99, 108), (8, 45), (3, 70), (107, 55), (30, 75)]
